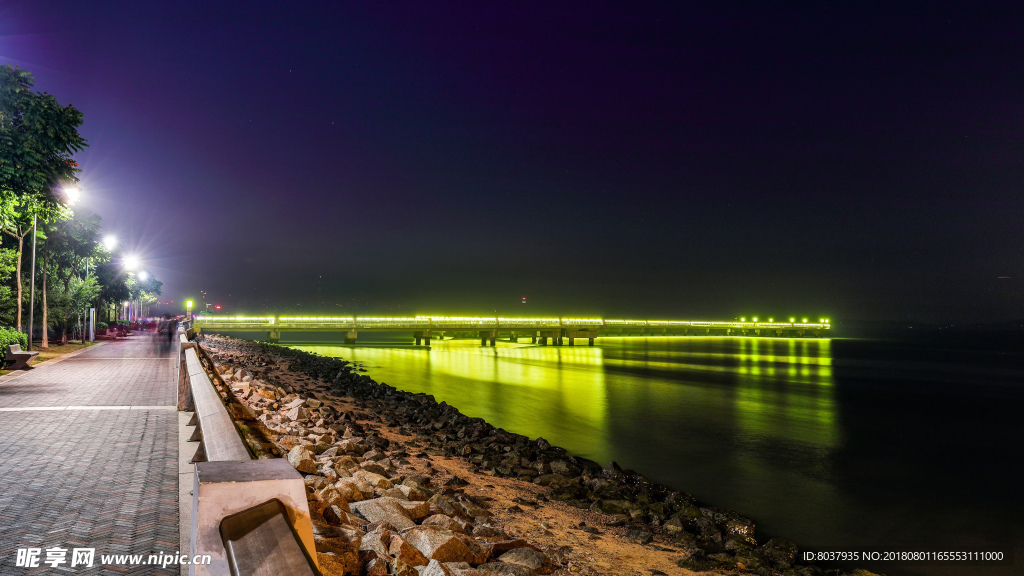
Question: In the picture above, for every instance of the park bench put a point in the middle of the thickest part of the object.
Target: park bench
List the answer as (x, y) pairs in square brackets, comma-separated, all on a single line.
[(20, 359)]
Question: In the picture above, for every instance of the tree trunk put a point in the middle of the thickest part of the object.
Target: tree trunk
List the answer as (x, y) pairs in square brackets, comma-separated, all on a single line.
[(17, 278), (46, 252), (64, 324)]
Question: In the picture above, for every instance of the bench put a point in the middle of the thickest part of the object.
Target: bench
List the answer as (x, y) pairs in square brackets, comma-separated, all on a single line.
[(20, 359)]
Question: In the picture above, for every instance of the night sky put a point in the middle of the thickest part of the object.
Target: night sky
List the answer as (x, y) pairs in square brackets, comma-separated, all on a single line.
[(678, 159)]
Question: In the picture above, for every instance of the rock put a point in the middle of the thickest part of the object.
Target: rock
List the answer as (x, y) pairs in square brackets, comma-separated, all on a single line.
[(417, 510), (445, 505), (435, 568), (496, 549), (445, 522), (405, 552), (455, 482), (302, 460), (553, 480), (350, 490), (359, 484), (375, 480), (469, 508), (241, 412), (485, 532), (297, 414), (533, 559), (345, 553), (377, 540), (338, 564), (641, 535), (505, 569), (289, 441), (387, 510), (373, 465), (331, 496), (316, 483), (780, 552), (376, 567), (439, 544), (673, 525), (618, 506)]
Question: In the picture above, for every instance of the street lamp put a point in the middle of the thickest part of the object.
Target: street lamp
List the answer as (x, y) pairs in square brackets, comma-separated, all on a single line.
[(143, 275), (131, 262), (110, 242), (71, 194)]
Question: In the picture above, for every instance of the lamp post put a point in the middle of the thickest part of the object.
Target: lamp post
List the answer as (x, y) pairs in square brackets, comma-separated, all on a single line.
[(32, 289), (188, 312)]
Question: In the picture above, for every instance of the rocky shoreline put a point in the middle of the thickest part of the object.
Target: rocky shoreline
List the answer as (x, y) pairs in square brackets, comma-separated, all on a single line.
[(401, 484)]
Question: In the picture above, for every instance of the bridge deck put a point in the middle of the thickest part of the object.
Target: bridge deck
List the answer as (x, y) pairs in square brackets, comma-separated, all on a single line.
[(439, 323)]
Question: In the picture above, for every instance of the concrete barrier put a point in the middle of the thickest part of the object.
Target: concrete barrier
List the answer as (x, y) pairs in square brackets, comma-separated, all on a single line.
[(227, 479)]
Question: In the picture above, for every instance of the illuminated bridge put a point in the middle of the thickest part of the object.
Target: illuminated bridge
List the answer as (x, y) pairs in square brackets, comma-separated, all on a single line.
[(489, 330)]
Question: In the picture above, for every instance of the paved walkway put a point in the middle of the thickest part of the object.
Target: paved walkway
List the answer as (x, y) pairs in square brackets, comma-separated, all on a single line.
[(90, 457)]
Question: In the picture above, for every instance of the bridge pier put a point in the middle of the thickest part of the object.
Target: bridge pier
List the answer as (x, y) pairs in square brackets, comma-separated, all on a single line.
[(423, 337), (350, 337), (274, 336), (488, 335)]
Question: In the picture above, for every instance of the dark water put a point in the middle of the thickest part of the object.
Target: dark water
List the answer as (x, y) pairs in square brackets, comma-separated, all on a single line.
[(842, 443)]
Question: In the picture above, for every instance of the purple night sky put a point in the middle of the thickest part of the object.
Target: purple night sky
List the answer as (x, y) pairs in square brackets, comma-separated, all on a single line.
[(697, 159)]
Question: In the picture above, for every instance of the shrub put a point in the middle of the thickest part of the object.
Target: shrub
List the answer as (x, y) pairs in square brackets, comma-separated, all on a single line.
[(101, 326), (10, 336)]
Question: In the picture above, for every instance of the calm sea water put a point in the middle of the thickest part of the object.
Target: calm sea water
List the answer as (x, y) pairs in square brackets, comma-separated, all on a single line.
[(844, 443)]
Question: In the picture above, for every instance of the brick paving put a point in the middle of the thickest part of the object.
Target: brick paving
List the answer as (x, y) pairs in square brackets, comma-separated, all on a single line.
[(87, 472)]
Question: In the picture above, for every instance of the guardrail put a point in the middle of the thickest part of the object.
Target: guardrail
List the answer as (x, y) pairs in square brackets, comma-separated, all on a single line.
[(229, 485)]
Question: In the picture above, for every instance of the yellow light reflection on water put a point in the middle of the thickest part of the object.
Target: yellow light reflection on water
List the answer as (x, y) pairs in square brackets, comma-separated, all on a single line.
[(774, 390)]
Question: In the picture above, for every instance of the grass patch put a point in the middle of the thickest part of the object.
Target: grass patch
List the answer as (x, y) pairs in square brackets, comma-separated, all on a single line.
[(52, 352)]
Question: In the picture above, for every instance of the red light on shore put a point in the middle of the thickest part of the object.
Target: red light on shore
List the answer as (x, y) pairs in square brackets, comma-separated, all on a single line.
[(217, 307)]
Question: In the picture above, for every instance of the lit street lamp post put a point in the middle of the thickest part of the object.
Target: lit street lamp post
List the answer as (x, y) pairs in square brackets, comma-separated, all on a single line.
[(32, 289)]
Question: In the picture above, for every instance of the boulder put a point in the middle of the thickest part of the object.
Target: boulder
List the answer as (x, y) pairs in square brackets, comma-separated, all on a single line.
[(302, 460), (298, 413), (445, 522), (780, 552), (331, 496), (435, 568), (387, 510), (349, 490), (315, 482), (377, 540), (376, 567), (375, 480), (496, 549), (533, 559), (439, 544), (241, 412), (553, 480), (405, 553), (445, 505), (337, 564)]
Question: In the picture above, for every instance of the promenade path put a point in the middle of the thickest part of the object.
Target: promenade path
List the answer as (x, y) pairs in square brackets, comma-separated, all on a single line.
[(90, 457)]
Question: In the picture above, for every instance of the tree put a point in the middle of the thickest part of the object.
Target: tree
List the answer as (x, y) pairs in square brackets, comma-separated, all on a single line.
[(8, 258), (37, 139), (69, 245), (72, 303)]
